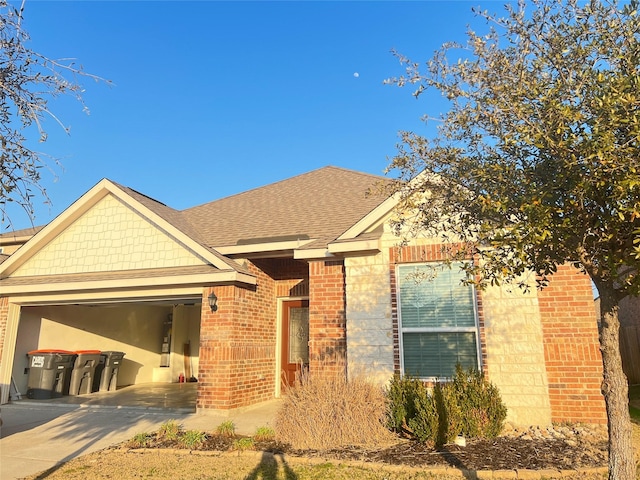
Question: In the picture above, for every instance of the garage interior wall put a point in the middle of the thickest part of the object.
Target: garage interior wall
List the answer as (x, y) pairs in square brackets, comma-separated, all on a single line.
[(135, 329)]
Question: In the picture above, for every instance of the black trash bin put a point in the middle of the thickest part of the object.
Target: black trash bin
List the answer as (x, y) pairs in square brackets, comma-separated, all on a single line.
[(49, 373), (107, 371), (83, 371)]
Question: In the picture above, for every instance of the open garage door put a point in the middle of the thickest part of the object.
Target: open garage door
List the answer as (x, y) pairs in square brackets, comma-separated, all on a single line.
[(160, 338)]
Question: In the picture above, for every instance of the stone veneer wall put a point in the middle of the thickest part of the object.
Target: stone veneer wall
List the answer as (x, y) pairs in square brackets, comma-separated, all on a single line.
[(515, 360), (510, 338), (369, 324), (4, 318)]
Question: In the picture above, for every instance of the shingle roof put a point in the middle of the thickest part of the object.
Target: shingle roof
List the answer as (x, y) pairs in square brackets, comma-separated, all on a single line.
[(21, 233), (321, 204)]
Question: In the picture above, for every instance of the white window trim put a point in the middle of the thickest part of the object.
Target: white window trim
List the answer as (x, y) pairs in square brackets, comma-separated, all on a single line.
[(475, 329)]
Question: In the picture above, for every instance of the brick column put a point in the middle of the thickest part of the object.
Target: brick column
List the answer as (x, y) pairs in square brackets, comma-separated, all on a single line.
[(572, 348), (327, 320), (238, 346)]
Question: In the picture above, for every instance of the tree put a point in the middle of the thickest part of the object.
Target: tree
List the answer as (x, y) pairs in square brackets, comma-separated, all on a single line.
[(537, 161), (27, 81)]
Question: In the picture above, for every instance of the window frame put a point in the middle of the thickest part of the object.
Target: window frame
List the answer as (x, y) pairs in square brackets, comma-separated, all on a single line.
[(475, 329)]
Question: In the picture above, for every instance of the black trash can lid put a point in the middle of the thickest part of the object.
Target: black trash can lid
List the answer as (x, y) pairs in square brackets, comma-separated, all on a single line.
[(50, 350)]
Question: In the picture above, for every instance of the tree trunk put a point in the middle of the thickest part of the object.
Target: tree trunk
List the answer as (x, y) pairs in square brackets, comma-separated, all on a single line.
[(615, 390)]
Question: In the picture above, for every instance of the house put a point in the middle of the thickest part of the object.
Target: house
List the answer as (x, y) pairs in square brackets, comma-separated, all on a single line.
[(305, 271)]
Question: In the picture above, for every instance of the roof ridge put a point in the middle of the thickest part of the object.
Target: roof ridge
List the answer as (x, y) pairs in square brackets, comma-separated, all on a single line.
[(288, 180)]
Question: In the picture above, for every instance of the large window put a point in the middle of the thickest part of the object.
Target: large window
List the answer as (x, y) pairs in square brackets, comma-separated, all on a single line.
[(438, 320)]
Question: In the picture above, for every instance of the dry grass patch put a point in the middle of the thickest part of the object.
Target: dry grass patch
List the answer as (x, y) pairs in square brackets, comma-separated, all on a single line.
[(323, 412)]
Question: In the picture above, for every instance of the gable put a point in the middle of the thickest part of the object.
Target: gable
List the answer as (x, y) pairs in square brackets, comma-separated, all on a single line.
[(109, 236)]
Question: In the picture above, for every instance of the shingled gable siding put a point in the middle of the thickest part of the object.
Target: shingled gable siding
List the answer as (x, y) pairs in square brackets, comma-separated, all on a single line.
[(4, 318), (238, 346), (327, 322), (571, 347)]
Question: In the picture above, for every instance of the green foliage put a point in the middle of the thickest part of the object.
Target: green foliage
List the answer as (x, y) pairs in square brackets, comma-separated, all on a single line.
[(193, 438), (469, 405), (437, 417), (401, 394), (226, 429), (423, 421), (140, 440), (170, 430), (480, 401), (245, 443), (264, 434)]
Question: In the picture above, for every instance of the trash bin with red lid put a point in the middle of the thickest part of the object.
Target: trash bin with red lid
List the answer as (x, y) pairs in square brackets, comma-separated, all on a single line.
[(83, 371), (49, 373)]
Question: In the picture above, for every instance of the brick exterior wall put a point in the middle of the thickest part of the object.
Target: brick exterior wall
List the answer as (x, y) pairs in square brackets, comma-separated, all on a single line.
[(291, 276), (327, 320), (571, 347), (238, 345), (238, 342)]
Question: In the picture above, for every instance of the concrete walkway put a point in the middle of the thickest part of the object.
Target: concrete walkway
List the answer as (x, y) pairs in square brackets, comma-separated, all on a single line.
[(36, 436)]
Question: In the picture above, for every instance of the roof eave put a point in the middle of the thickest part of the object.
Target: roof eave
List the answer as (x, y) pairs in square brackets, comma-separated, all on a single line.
[(177, 282)]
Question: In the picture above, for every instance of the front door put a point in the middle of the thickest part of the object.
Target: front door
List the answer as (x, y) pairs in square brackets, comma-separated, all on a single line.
[(295, 339)]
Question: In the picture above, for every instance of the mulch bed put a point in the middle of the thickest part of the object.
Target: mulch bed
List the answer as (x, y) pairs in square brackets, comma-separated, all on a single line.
[(502, 453)]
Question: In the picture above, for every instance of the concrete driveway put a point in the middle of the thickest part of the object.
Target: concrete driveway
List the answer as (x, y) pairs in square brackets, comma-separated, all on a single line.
[(37, 436)]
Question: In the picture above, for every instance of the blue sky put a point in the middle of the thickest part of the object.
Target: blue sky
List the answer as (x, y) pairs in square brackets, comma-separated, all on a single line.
[(214, 98)]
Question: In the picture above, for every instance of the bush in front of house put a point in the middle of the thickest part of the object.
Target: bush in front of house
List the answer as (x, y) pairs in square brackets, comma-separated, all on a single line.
[(401, 397), (469, 405), (480, 400), (323, 411)]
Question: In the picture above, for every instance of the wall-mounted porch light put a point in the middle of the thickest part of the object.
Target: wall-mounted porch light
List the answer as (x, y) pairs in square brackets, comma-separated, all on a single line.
[(213, 300)]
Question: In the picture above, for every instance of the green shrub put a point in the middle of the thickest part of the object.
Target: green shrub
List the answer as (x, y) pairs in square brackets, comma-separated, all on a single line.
[(193, 438), (449, 413), (226, 429), (437, 418), (401, 394), (140, 440), (468, 405), (241, 444), (479, 399), (264, 434), (169, 430), (423, 422)]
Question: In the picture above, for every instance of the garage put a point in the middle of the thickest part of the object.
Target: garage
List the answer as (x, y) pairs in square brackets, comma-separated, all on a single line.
[(160, 339), (117, 271)]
